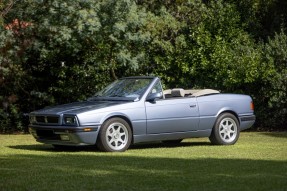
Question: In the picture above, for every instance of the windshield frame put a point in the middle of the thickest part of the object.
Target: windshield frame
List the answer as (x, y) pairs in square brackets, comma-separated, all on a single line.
[(116, 91)]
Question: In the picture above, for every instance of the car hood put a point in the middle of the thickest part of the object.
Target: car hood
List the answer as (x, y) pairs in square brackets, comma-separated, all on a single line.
[(77, 107)]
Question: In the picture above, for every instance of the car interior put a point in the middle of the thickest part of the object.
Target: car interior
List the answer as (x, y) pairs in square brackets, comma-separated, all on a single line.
[(180, 92)]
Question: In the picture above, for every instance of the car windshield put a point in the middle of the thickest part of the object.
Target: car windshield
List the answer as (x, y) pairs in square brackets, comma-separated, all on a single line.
[(125, 89)]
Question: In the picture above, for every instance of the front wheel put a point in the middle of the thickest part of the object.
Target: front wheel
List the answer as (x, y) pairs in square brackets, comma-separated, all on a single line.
[(225, 131), (115, 135)]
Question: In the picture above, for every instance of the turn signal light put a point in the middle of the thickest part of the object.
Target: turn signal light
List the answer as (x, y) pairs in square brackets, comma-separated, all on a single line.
[(251, 105)]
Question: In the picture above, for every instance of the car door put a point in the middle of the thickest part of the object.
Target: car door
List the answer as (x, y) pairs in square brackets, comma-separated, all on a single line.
[(172, 115)]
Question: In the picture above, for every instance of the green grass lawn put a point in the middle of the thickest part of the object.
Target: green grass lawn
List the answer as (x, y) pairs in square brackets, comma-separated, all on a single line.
[(258, 161)]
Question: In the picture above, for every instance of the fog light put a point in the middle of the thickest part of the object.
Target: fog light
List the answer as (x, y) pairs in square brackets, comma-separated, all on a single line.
[(30, 130), (33, 132), (65, 137)]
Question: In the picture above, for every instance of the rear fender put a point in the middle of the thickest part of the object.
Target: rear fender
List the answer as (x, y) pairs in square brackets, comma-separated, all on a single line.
[(208, 122)]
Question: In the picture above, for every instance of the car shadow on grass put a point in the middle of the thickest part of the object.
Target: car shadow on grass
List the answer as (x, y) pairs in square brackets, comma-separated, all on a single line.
[(276, 134), (50, 148), (168, 145)]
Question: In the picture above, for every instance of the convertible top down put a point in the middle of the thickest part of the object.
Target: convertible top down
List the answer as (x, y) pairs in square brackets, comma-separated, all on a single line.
[(136, 109)]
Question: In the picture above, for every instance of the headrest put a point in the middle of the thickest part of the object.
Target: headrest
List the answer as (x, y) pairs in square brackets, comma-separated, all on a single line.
[(177, 92)]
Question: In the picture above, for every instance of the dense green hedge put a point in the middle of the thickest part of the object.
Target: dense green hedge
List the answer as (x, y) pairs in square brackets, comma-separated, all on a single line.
[(54, 52)]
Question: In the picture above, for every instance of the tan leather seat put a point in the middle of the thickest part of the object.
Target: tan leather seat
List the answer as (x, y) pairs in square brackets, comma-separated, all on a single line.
[(177, 92), (167, 93)]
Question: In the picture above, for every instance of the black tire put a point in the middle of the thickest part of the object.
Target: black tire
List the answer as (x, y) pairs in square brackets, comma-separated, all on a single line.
[(115, 135), (226, 130), (177, 141)]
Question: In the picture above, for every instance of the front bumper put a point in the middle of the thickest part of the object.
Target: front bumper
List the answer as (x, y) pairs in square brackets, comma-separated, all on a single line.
[(62, 135)]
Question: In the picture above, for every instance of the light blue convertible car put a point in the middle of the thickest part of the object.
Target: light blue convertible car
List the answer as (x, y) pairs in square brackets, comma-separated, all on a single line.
[(136, 109)]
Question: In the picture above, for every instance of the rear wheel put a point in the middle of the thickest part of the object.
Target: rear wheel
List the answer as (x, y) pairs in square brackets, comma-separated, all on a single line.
[(226, 130), (115, 135)]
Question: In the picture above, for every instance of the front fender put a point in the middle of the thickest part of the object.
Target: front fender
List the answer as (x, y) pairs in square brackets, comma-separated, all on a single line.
[(115, 114)]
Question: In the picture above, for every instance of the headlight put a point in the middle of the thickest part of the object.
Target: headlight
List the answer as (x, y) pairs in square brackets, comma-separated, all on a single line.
[(70, 120), (32, 119)]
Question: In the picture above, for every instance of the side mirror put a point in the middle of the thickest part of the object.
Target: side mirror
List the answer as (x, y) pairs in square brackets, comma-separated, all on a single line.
[(153, 96)]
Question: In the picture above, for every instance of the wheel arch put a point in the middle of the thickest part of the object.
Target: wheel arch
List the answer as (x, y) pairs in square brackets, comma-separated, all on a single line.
[(228, 111), (122, 117), (216, 136)]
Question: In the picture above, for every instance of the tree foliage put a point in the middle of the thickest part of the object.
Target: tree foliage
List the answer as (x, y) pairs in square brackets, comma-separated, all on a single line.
[(54, 52)]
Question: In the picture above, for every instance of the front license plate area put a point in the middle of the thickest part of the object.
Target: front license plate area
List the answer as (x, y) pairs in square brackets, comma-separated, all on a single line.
[(47, 134)]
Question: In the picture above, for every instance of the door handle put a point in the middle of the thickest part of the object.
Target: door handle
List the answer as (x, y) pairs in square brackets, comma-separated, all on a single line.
[(192, 105)]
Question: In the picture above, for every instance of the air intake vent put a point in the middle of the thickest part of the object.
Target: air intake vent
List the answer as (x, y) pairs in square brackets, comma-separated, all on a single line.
[(47, 120)]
